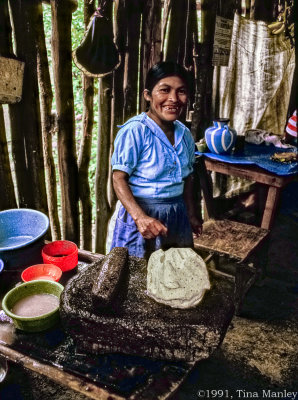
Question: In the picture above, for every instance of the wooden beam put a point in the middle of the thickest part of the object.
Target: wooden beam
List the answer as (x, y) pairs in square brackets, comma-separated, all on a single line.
[(248, 172), (57, 375)]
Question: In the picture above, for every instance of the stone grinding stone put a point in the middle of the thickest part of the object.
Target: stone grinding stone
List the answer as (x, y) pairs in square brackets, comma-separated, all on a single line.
[(135, 324)]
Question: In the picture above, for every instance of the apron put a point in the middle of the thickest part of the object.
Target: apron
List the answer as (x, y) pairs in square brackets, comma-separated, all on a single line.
[(171, 212)]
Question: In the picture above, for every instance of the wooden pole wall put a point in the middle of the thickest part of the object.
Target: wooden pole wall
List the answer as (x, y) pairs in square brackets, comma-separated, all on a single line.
[(131, 62), (86, 145), (150, 52), (144, 34), (105, 126), (25, 115), (102, 170), (117, 105), (48, 127), (202, 113), (177, 31), (7, 198), (62, 68)]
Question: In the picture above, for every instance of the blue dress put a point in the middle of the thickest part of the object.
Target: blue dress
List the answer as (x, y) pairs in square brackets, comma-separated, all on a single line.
[(156, 170)]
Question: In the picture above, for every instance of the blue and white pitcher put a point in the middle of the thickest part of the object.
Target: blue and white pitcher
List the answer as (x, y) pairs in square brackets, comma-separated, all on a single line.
[(220, 138)]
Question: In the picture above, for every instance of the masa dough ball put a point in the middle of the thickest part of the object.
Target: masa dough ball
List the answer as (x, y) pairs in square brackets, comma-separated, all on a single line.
[(177, 277)]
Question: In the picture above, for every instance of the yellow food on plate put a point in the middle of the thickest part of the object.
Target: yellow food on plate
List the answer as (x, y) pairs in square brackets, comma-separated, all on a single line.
[(285, 157)]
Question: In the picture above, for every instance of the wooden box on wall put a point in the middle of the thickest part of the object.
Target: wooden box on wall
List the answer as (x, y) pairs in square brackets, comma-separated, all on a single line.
[(11, 80)]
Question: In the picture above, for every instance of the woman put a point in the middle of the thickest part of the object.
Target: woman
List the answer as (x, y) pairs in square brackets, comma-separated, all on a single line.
[(152, 169)]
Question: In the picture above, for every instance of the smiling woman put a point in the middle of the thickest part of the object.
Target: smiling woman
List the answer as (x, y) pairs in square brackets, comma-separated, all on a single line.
[(152, 169)]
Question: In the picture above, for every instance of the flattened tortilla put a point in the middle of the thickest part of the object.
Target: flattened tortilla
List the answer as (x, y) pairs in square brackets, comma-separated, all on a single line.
[(177, 277)]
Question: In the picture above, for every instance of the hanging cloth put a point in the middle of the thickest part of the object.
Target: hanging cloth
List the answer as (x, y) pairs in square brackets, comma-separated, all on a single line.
[(97, 55), (255, 88)]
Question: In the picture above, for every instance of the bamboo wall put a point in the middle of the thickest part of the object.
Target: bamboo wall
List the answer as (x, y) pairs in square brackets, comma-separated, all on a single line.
[(145, 31)]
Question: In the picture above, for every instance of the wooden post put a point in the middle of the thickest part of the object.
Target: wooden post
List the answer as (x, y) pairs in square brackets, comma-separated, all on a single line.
[(132, 59), (151, 43), (105, 128), (7, 198), (86, 144), (177, 31), (117, 111), (25, 115), (204, 71), (102, 170), (263, 10), (5, 31), (62, 68), (48, 125)]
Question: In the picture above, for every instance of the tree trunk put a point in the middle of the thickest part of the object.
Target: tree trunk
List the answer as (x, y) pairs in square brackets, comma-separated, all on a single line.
[(86, 144), (48, 124), (151, 42), (68, 169), (103, 159), (25, 115), (7, 198)]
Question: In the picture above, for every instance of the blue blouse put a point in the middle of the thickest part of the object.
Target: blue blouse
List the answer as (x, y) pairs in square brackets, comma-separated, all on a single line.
[(155, 167)]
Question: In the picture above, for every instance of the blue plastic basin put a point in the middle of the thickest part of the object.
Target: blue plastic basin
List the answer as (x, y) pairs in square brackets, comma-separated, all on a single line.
[(21, 235)]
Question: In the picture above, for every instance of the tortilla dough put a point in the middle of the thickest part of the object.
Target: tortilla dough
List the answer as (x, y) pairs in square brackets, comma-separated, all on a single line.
[(177, 277)]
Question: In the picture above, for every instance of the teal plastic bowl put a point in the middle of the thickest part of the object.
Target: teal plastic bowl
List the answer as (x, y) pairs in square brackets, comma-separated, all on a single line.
[(32, 324)]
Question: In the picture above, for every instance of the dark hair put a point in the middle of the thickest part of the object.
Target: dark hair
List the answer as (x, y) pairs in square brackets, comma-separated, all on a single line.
[(163, 69)]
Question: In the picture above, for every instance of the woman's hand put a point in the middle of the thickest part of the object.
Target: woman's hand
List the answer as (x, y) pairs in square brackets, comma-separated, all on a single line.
[(147, 226), (150, 228), (196, 225)]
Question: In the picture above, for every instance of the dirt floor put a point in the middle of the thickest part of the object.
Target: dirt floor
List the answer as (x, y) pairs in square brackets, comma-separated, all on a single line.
[(258, 358)]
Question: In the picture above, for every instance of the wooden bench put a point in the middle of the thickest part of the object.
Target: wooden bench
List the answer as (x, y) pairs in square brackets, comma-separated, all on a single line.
[(236, 241)]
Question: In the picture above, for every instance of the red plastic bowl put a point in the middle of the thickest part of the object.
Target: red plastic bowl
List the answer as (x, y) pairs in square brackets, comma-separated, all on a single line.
[(62, 253), (49, 272)]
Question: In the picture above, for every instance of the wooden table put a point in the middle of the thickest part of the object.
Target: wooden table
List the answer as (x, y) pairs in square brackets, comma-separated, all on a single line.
[(275, 183), (54, 355)]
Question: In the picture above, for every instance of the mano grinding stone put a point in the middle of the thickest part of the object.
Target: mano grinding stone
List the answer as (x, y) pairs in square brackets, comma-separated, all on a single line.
[(109, 279)]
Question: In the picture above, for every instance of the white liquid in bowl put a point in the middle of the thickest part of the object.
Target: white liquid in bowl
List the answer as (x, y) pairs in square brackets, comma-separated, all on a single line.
[(35, 305)]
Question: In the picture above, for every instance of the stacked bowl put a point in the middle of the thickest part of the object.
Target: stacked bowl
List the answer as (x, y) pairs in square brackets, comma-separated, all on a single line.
[(22, 232)]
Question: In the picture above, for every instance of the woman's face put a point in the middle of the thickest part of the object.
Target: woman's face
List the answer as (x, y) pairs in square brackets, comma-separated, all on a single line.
[(167, 99)]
